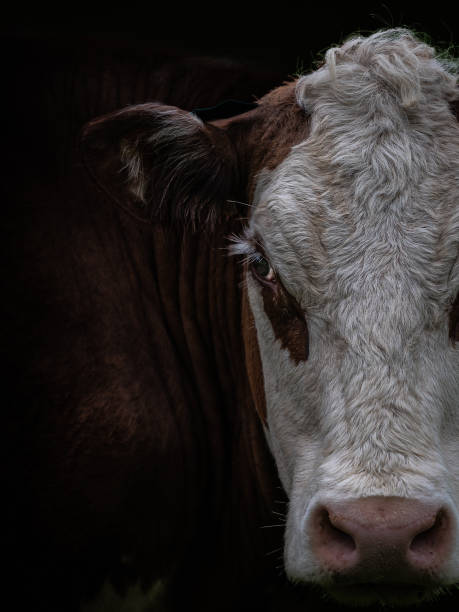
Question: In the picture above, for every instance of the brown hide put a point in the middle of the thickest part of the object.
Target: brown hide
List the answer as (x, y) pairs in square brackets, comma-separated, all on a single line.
[(216, 162), (134, 450), (185, 176), (264, 137), (160, 164)]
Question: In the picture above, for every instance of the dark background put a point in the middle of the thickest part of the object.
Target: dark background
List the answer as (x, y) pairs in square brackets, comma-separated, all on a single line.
[(63, 67), (284, 36)]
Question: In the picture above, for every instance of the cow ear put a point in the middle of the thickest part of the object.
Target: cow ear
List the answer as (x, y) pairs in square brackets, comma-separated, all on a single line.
[(160, 162)]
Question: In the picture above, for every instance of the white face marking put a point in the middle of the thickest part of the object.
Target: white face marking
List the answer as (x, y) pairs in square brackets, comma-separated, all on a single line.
[(361, 224)]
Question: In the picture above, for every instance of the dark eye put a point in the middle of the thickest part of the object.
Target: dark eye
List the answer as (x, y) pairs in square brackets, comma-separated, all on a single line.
[(454, 321), (262, 269)]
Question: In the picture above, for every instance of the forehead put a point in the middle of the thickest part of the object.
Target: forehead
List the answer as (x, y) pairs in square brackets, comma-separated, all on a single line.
[(377, 177)]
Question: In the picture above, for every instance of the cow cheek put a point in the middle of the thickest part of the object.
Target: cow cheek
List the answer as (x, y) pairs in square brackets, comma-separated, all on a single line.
[(279, 378)]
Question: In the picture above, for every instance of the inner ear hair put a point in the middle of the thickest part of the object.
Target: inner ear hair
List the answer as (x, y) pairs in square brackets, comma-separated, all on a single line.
[(162, 163)]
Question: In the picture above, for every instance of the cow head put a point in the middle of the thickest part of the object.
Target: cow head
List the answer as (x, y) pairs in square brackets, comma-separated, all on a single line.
[(352, 276)]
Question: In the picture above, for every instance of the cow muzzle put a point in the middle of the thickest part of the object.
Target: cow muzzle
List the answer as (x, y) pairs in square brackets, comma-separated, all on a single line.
[(386, 550)]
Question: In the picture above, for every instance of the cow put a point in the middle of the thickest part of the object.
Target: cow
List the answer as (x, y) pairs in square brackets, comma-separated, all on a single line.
[(298, 262)]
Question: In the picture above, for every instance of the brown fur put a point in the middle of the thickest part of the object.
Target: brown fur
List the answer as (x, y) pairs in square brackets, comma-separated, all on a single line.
[(223, 158), (278, 119), (287, 320), (233, 151), (134, 448)]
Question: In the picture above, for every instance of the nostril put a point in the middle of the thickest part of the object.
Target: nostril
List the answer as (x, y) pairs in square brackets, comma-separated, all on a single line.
[(431, 542), (337, 543), (382, 539)]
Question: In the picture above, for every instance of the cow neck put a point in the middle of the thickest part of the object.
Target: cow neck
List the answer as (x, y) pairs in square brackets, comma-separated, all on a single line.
[(225, 452), (199, 297)]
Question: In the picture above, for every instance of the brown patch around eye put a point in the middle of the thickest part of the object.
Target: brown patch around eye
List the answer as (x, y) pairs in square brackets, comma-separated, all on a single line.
[(454, 321), (288, 321)]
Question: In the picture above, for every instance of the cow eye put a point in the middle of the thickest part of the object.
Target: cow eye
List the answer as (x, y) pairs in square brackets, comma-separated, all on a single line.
[(262, 269), (454, 321)]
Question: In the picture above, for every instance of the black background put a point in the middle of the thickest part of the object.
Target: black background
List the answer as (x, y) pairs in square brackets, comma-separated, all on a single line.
[(285, 36), (41, 50)]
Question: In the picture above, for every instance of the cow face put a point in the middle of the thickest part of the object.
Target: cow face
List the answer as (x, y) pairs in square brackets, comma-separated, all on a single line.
[(352, 278)]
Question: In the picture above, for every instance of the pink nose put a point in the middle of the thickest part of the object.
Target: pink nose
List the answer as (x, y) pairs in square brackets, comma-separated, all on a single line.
[(381, 539)]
